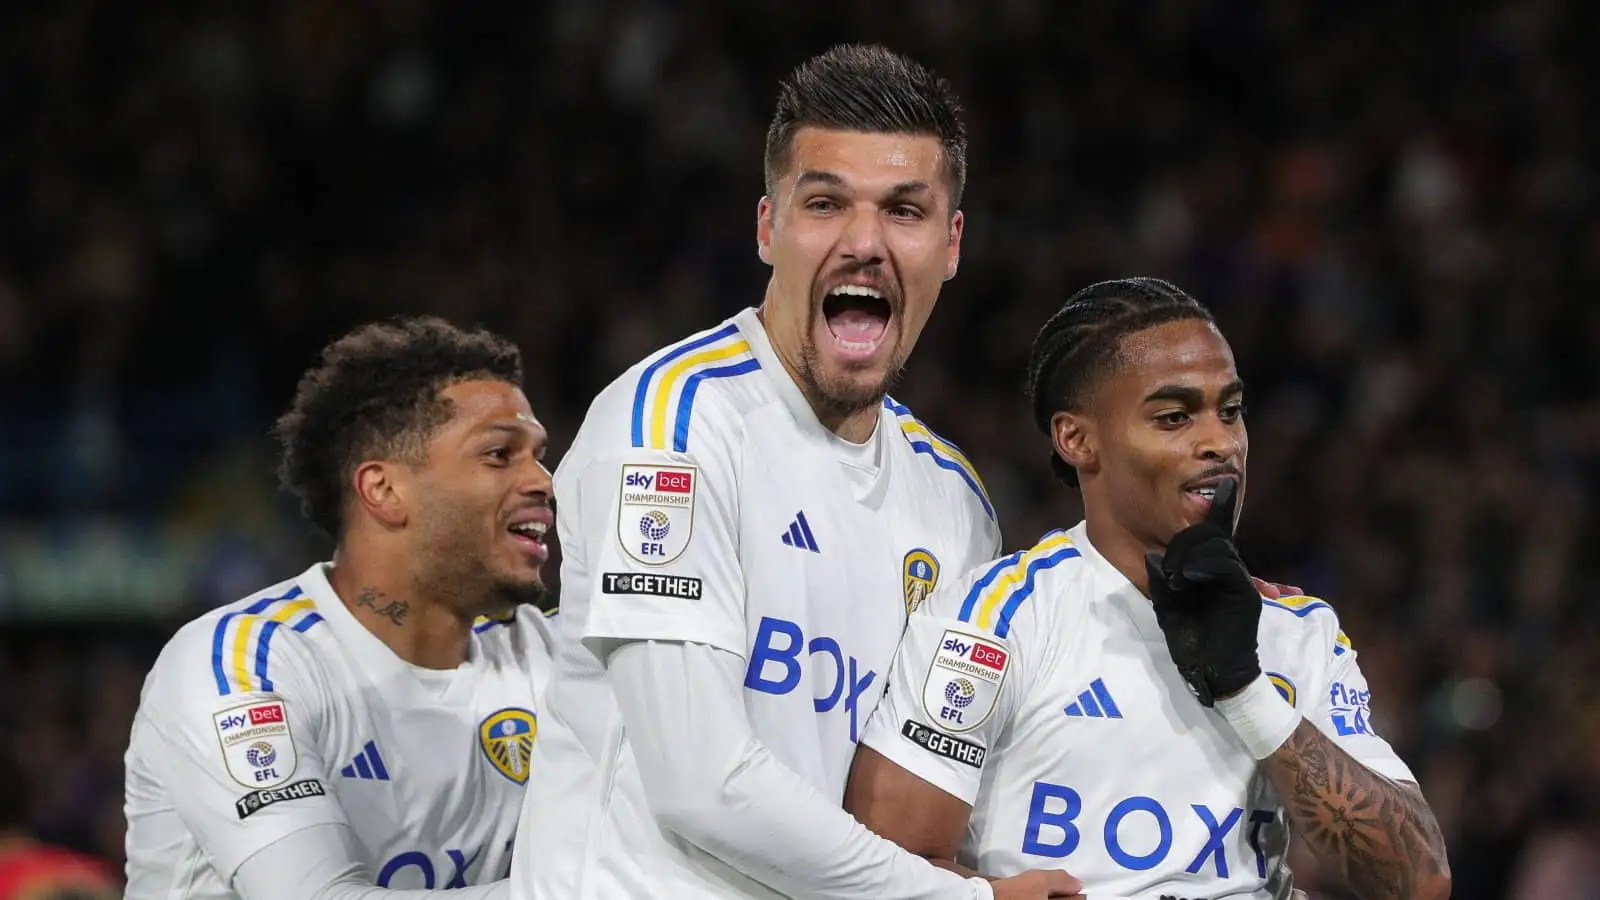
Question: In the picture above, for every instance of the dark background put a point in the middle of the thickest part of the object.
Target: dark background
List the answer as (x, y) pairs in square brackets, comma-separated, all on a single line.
[(1392, 208)]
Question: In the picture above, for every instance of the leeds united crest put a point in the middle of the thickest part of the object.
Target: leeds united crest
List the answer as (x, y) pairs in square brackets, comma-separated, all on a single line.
[(507, 740), (919, 575)]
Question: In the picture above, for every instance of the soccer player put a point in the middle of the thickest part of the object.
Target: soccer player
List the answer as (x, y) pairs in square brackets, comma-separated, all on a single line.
[(362, 723), (1119, 700), (746, 520)]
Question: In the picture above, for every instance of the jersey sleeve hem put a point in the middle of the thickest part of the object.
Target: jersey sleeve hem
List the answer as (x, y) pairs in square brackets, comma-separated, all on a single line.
[(604, 627), (898, 749)]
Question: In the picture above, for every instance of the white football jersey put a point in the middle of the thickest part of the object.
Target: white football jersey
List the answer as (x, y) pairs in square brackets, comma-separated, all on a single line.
[(282, 712), (702, 501), (1039, 690)]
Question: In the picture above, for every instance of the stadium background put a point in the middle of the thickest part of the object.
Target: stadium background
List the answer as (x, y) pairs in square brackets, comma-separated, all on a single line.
[(1393, 211)]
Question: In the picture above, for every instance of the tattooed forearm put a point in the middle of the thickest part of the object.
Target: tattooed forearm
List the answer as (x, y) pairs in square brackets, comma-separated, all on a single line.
[(1381, 834), (393, 610)]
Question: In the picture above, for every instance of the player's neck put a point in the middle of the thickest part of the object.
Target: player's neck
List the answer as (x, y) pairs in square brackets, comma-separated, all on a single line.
[(854, 425), (384, 599), (1121, 549)]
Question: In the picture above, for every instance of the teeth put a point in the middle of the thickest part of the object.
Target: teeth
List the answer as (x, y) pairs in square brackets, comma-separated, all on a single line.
[(1207, 492), (857, 290), (537, 529)]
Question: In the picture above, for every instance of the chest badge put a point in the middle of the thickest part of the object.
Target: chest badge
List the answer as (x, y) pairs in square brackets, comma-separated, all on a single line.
[(507, 740), (919, 575)]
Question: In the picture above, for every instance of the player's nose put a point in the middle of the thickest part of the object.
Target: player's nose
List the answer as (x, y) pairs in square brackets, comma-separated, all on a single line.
[(536, 479), (1216, 441), (863, 237)]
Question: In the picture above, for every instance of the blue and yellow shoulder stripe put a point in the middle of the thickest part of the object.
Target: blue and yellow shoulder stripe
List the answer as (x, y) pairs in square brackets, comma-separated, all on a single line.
[(664, 398), (997, 595), (1300, 606), (484, 623), (944, 454), (241, 644)]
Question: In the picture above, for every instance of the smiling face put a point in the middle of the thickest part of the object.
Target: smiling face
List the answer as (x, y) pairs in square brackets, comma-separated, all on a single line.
[(1162, 427), (861, 237), (480, 501)]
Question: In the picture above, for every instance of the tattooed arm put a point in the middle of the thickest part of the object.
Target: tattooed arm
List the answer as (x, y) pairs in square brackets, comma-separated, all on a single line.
[(1380, 833)]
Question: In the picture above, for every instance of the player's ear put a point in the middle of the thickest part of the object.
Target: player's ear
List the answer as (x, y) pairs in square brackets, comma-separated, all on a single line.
[(953, 262), (764, 229), (379, 490), (1075, 442)]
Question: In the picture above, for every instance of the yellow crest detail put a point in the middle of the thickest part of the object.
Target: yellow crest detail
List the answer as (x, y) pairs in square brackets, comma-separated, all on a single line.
[(1284, 685), (507, 740), (919, 575)]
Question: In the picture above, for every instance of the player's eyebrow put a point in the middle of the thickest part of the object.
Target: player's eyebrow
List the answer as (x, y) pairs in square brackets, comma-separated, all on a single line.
[(818, 176), (1191, 396), (515, 430), (906, 189)]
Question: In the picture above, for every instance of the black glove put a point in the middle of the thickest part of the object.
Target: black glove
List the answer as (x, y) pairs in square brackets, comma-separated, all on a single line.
[(1206, 604)]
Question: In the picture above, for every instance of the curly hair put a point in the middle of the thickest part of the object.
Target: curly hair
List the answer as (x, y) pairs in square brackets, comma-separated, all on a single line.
[(1079, 344), (375, 395)]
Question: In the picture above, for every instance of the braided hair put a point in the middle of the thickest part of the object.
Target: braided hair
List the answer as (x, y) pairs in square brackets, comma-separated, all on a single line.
[(1080, 343)]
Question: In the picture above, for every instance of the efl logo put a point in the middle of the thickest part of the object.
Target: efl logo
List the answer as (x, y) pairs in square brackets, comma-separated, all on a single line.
[(260, 715), (992, 657), (670, 482)]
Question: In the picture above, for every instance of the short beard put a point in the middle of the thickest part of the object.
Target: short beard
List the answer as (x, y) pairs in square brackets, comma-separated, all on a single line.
[(842, 398)]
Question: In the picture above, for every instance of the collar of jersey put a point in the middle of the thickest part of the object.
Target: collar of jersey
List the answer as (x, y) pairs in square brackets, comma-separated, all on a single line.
[(1116, 588), (373, 655), (800, 410)]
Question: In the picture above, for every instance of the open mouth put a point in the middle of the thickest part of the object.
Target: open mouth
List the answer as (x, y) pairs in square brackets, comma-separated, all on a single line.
[(858, 318), (529, 537)]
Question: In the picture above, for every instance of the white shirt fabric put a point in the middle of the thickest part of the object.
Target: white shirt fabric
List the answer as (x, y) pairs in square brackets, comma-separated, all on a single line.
[(702, 503), (282, 713), (1039, 690)]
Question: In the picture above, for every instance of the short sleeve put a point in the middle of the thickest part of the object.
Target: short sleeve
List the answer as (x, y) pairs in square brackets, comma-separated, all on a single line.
[(952, 690), (235, 747), (1344, 714), (658, 531)]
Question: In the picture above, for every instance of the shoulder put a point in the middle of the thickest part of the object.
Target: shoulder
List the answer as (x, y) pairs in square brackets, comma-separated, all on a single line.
[(521, 635), (1003, 597), (1304, 623), (244, 647), (689, 392), (943, 461)]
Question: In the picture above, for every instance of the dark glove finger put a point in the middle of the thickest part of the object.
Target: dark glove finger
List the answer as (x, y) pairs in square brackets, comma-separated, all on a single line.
[(1158, 576), (1222, 505), (1215, 560)]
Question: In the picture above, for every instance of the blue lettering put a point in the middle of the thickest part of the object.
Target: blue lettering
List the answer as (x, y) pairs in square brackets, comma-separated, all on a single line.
[(459, 860), (1355, 724), (409, 858), (763, 652), (650, 549), (858, 686), (640, 480), (462, 862), (1213, 847), (1114, 821), (960, 648), (1039, 817), (849, 682), (266, 775), (830, 646), (950, 715), (1259, 818)]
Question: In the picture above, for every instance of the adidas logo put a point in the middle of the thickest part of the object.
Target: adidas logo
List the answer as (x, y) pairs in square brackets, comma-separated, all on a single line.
[(368, 765), (799, 534), (1095, 703)]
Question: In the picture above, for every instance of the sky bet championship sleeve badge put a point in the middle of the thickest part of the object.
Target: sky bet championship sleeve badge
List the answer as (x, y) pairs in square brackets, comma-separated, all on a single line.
[(964, 681), (920, 574), (657, 512), (256, 744), (507, 740)]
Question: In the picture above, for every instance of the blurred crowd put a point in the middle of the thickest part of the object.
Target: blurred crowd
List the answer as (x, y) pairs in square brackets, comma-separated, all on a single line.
[(1393, 209)]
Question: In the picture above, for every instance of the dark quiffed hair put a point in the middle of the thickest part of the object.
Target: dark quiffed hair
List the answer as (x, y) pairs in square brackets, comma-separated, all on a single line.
[(1079, 344), (859, 87), (375, 395)]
